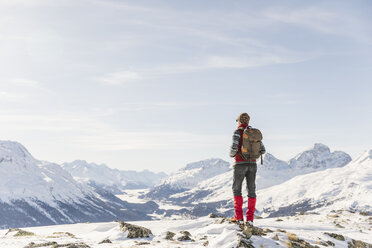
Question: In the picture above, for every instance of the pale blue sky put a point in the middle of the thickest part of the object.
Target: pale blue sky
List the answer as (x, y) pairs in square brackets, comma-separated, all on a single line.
[(157, 84)]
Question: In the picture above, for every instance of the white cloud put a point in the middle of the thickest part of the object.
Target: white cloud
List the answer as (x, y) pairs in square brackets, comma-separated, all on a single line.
[(23, 3), (9, 97), (16, 89), (321, 20), (119, 5), (120, 78), (85, 132), (24, 82), (253, 60)]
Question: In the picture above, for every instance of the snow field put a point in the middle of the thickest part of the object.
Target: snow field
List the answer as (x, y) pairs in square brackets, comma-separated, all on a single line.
[(308, 227)]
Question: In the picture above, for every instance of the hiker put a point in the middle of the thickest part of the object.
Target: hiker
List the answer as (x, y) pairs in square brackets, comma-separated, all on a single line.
[(246, 148)]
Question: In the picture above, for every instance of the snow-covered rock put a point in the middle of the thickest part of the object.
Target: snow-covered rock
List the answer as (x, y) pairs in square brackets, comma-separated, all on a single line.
[(113, 179), (308, 230)]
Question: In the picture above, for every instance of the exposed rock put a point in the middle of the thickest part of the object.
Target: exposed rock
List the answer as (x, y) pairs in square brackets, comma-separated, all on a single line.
[(267, 230), (336, 236), (220, 221), (358, 244), (300, 244), (247, 231), (77, 245), (206, 243), (321, 243), (20, 232), (12, 230), (330, 243), (258, 231), (185, 233), (339, 226), (142, 243), (185, 237), (61, 234), (56, 245), (281, 230), (278, 220), (244, 242), (135, 231), (170, 235), (364, 213), (213, 215), (33, 245), (65, 233), (276, 237), (292, 237), (105, 241)]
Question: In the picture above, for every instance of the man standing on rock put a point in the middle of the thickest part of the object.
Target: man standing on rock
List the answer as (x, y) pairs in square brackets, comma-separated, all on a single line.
[(246, 148)]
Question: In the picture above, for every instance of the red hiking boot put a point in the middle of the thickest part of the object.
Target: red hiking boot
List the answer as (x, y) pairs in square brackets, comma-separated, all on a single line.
[(238, 205), (251, 208), (239, 222)]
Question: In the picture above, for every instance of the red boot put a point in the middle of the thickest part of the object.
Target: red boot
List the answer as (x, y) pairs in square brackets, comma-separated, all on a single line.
[(251, 208), (238, 205)]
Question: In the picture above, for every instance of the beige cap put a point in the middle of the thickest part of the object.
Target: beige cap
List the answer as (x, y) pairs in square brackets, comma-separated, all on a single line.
[(243, 118)]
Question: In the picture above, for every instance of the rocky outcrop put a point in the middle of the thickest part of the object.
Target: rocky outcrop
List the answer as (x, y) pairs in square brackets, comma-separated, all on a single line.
[(105, 241), (336, 236), (135, 231), (170, 235), (186, 236), (56, 245), (358, 244), (19, 232)]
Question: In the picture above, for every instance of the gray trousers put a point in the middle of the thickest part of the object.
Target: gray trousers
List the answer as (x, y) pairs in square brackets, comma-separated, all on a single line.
[(247, 171)]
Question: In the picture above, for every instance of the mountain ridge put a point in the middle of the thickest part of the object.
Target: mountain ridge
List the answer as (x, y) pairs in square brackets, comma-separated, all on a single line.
[(112, 179), (34, 192)]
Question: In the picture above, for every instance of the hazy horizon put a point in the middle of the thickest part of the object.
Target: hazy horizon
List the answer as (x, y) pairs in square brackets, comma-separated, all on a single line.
[(156, 85)]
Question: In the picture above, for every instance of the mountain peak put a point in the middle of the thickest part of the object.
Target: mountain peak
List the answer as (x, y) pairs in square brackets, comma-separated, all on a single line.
[(321, 148), (212, 162), (320, 156), (79, 163), (369, 154), (272, 163), (366, 156), (12, 150)]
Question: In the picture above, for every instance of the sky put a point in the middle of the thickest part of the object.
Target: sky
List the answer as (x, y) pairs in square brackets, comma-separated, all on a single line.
[(158, 84)]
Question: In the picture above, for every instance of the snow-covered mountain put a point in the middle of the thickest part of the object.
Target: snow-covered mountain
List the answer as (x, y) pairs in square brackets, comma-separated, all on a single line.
[(320, 157), (188, 177), (216, 193), (34, 192), (22, 176), (347, 187), (112, 179)]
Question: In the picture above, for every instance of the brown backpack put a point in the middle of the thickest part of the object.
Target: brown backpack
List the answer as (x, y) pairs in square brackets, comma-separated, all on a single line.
[(251, 144)]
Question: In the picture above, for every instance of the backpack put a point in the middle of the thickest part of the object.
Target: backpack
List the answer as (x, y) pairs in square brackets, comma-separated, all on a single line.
[(251, 143)]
